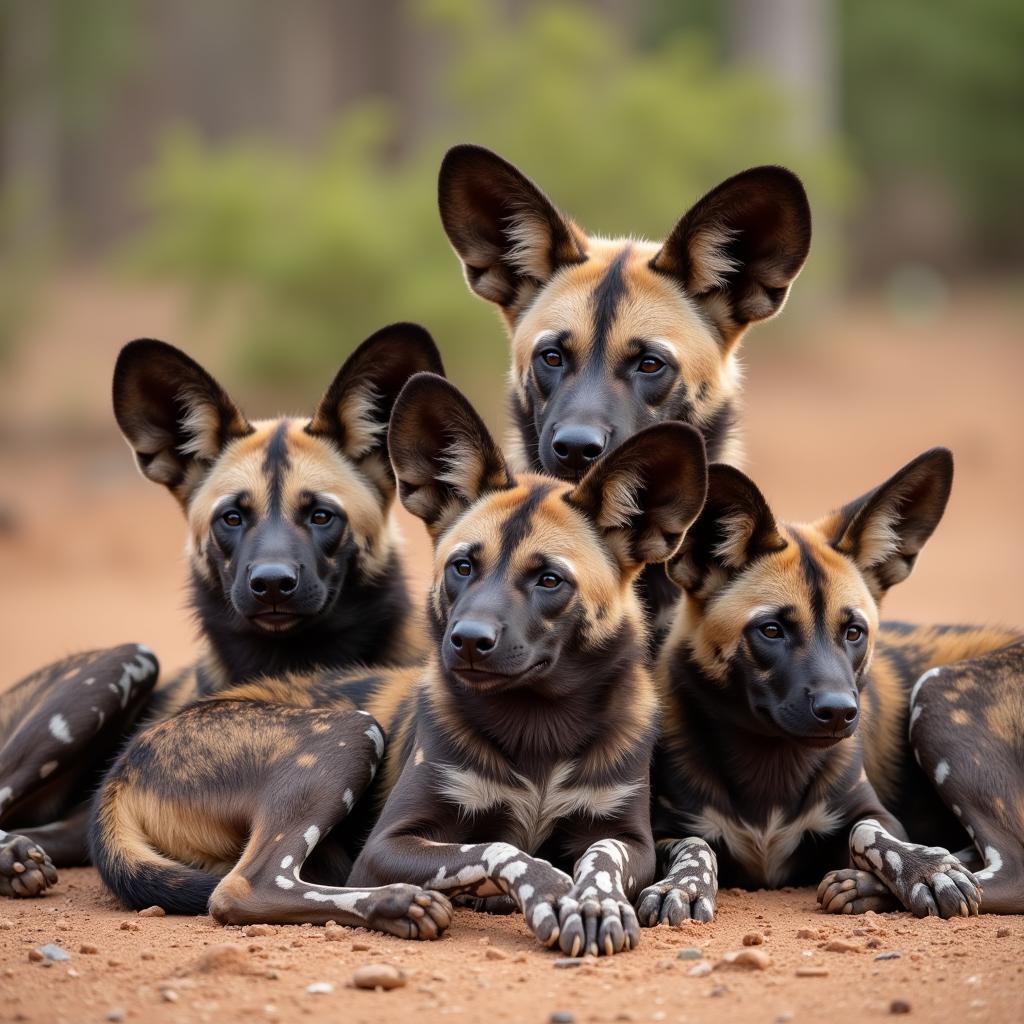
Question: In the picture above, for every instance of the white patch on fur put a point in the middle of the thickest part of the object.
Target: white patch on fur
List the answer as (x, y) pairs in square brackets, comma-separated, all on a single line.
[(993, 862), (540, 913), (133, 672), (348, 798), (736, 531), (510, 872), (47, 769), (525, 892), (344, 900), (930, 674), (764, 850), (418, 759), (378, 739), (362, 423), (710, 264), (287, 862), (5, 796), (941, 772), (895, 862), (284, 883), (59, 729), (534, 807), (311, 837), (603, 881), (915, 714)]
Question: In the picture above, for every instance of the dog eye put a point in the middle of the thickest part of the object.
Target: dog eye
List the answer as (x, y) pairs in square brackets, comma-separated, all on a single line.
[(854, 634), (549, 581), (552, 357), (462, 566), (232, 518), (771, 631), (321, 517), (650, 364)]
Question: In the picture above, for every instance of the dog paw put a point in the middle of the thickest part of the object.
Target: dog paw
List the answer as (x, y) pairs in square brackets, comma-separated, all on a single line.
[(497, 905), (408, 912), (851, 891), (670, 902), (25, 869), (950, 890), (598, 927)]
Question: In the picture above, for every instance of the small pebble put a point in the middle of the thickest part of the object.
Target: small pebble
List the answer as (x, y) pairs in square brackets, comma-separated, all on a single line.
[(718, 990), (87, 948), (893, 954), (806, 933), (701, 970), (899, 1006), (385, 976), (54, 952), (224, 956), (493, 953), (1002, 933), (147, 954), (153, 911), (874, 943), (115, 1015), (690, 953), (168, 995), (35, 956), (320, 988), (254, 931), (812, 972), (360, 947), (842, 946), (753, 939), (560, 1017), (566, 962), (756, 958)]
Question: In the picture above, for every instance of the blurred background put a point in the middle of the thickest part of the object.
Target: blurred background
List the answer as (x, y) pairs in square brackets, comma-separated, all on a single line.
[(255, 182)]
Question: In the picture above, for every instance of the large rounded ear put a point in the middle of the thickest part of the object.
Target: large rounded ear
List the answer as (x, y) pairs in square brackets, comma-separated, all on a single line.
[(443, 456), (174, 415), (735, 527), (738, 249), (355, 410), (885, 530), (645, 494), (507, 233)]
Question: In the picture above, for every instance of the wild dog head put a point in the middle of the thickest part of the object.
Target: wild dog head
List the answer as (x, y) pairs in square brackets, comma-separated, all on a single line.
[(532, 576), (611, 336), (285, 514), (780, 620)]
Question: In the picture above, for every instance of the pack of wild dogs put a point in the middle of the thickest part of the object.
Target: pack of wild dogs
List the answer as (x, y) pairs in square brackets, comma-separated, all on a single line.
[(632, 681)]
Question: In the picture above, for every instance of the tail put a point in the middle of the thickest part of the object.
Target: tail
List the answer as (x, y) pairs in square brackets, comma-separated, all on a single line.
[(139, 875)]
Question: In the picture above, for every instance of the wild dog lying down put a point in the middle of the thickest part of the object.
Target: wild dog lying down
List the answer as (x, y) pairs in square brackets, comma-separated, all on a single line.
[(293, 564), (788, 706), (528, 752), (612, 335)]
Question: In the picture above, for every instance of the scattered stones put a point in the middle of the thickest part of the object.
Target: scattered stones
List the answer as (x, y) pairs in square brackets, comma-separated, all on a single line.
[(88, 949), (147, 954), (54, 952), (1002, 933), (700, 970), (561, 1017), (153, 911), (893, 954), (224, 956), (360, 947), (168, 995), (842, 946), (36, 956), (320, 988), (129, 926), (899, 1006), (116, 1015), (874, 944), (253, 931), (564, 963), (812, 972), (385, 976), (806, 933), (755, 958), (753, 939), (718, 990), (493, 953), (690, 953)]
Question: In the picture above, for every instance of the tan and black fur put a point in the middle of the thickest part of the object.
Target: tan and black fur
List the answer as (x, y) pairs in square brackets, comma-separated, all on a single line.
[(794, 718), (609, 336), (265, 501)]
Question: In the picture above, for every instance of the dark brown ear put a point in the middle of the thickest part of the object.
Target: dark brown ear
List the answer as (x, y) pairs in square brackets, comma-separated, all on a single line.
[(735, 527), (175, 416), (356, 408), (443, 456), (740, 247), (507, 233), (884, 531), (645, 494)]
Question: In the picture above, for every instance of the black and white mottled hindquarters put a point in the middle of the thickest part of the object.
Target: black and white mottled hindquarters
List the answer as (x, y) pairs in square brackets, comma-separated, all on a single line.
[(524, 772), (293, 563), (609, 336), (786, 752)]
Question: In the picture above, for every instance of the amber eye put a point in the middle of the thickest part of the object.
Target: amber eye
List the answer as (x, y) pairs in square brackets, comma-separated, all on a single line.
[(771, 631), (463, 566), (321, 517), (549, 581), (854, 634), (650, 364), (232, 518), (552, 357)]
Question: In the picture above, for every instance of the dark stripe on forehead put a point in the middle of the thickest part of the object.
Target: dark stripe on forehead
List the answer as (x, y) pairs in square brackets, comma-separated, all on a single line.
[(516, 527), (815, 577), (608, 293), (276, 463)]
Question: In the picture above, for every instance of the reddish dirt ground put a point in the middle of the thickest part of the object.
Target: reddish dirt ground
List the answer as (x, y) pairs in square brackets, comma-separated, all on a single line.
[(90, 555)]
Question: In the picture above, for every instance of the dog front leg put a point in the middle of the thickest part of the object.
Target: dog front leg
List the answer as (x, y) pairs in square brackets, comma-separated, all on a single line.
[(689, 886)]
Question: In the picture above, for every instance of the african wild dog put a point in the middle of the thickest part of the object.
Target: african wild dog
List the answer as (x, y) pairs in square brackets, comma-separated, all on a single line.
[(527, 753), (563, 748), (612, 335), (293, 564), (776, 655)]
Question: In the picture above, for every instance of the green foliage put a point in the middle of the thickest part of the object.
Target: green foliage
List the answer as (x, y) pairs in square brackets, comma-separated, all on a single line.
[(327, 249)]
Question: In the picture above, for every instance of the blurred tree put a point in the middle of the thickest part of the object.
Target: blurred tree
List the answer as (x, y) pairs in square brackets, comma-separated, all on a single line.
[(324, 249)]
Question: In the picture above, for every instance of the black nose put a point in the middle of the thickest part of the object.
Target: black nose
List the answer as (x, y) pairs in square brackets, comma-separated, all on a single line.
[(273, 582), (836, 710), (577, 447), (474, 639)]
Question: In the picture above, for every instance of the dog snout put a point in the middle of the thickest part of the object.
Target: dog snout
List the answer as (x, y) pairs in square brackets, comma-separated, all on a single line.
[(837, 710), (577, 446), (273, 583), (474, 639)]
